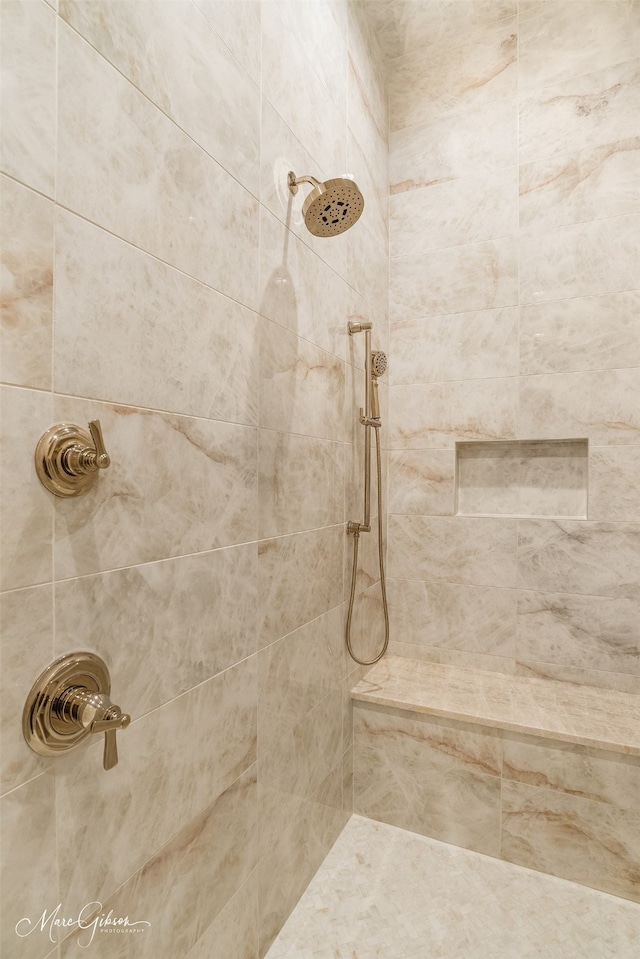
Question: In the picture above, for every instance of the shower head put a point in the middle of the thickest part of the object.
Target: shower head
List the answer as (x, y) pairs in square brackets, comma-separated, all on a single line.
[(331, 207), (378, 363)]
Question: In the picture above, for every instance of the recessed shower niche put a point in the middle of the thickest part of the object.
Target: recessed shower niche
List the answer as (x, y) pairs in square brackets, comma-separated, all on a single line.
[(522, 478)]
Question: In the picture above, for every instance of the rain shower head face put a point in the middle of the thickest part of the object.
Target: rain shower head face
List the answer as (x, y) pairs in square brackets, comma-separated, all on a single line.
[(378, 363), (332, 207)]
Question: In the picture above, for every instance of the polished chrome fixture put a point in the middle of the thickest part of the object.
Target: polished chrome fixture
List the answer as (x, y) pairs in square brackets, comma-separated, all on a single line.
[(374, 366), (69, 702), (331, 207), (68, 458)]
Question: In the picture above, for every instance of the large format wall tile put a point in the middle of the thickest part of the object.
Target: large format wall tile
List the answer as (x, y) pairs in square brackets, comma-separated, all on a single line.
[(134, 172), (422, 481), (186, 619), (234, 932), (238, 23), (614, 492), (185, 69), (190, 350), (28, 47), (176, 485), (26, 286)]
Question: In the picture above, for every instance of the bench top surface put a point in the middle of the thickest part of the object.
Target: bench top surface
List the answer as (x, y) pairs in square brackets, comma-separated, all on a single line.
[(601, 718)]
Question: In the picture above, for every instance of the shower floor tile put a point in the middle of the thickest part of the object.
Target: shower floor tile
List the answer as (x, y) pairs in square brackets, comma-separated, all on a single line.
[(385, 893)]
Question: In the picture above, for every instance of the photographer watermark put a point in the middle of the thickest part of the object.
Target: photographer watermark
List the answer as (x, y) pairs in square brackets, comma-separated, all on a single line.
[(86, 920)]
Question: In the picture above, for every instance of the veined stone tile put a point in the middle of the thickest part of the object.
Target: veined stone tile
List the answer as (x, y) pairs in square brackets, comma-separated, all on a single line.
[(27, 509), (183, 66), (569, 38), (570, 115), (614, 493), (435, 778), (454, 76), (26, 634), (594, 183), (590, 842), (103, 352), (422, 481), (597, 559), (198, 490), (28, 48), (26, 286), (286, 568), (458, 146), (622, 682), (234, 932), (464, 210), (238, 23), (479, 276), (188, 618), (596, 332), (366, 113), (368, 265), (439, 414), (457, 549), (366, 170), (134, 172), (472, 619), (594, 632), (462, 346), (445, 656), (580, 260), (368, 59), (603, 406)]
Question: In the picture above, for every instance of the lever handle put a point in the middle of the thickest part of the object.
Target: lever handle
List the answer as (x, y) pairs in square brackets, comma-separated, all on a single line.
[(109, 727), (102, 457)]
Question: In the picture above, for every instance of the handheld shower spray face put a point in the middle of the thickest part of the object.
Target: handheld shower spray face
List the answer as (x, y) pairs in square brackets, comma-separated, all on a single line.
[(378, 366)]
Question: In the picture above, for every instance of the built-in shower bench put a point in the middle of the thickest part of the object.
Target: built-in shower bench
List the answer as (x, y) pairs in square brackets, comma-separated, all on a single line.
[(538, 772)]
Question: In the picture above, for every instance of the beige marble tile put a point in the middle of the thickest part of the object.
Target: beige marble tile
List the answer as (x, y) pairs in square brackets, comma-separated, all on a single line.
[(187, 619), (366, 114), (479, 276), (613, 488), (176, 485), (580, 260), (469, 551), (368, 58), (422, 481), (183, 66), (444, 656), (595, 108), (572, 770), (26, 286), (187, 883), (297, 92), (458, 146), (458, 212), (435, 778), (281, 151), (462, 346), (569, 39), (592, 843), (600, 405), (371, 173), (368, 628), (597, 559), (299, 577), (29, 869), (594, 632), (624, 682), (347, 784), (523, 478), (285, 871), (587, 333), (27, 509), (472, 619), (136, 331), (188, 752), (296, 673), (294, 768), (302, 387), (457, 74), (368, 265), (298, 290), (596, 182), (138, 175), (238, 23), (234, 932), (26, 632), (28, 47), (441, 414)]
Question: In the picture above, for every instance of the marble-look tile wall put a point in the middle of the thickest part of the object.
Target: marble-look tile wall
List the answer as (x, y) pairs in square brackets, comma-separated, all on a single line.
[(157, 275), (514, 315)]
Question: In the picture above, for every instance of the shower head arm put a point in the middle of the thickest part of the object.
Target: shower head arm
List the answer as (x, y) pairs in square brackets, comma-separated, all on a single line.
[(294, 181)]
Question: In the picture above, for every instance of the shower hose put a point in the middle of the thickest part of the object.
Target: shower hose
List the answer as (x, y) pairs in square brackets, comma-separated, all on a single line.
[(383, 586)]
